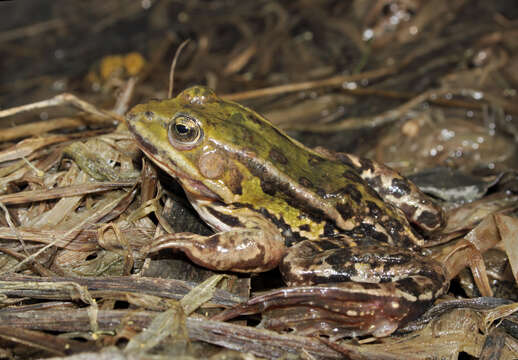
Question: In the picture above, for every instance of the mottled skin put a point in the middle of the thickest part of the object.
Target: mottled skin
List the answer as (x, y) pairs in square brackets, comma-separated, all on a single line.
[(274, 202)]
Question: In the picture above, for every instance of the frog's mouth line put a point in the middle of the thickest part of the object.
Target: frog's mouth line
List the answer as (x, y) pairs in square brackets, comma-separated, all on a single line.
[(194, 188)]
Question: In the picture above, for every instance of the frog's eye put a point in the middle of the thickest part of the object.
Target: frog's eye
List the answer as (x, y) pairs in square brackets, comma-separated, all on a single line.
[(184, 132)]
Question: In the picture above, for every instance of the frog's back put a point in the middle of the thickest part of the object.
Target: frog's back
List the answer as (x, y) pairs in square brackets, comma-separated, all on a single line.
[(306, 193), (330, 193)]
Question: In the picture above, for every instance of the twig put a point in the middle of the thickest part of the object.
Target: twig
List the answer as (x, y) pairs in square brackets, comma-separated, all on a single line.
[(173, 65), (31, 30), (40, 127), (121, 106), (12, 226), (261, 342), (61, 192), (53, 344), (115, 287), (63, 99), (307, 85)]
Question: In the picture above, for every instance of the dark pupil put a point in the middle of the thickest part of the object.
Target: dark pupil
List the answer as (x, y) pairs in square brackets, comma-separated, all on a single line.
[(181, 129)]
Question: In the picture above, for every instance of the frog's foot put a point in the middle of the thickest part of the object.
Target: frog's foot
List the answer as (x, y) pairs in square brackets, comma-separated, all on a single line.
[(369, 290), (394, 189), (241, 250)]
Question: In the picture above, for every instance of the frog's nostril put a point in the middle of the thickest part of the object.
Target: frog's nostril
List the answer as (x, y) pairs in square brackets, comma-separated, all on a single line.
[(131, 116)]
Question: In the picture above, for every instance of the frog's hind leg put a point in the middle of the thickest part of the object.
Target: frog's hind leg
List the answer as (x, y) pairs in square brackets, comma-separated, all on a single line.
[(347, 291), (400, 192), (394, 189), (372, 288)]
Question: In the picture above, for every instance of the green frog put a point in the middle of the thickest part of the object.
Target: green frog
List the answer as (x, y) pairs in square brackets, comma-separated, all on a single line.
[(337, 226)]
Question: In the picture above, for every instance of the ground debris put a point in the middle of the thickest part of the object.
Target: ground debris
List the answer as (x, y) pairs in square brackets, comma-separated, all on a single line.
[(416, 85)]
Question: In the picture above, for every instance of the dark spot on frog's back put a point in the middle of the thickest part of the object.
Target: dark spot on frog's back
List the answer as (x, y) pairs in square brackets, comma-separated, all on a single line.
[(326, 244), (345, 210), (409, 285), (269, 184), (277, 156), (376, 183), (305, 182), (235, 180), (393, 226), (290, 237), (314, 160), (351, 176), (224, 218), (371, 286), (237, 118), (344, 159), (366, 164), (304, 227), (368, 232), (435, 276), (374, 210), (340, 258), (408, 210), (352, 192), (429, 219), (269, 187), (399, 187)]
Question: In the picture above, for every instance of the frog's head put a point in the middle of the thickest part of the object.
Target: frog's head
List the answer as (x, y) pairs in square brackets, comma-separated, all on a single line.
[(198, 137)]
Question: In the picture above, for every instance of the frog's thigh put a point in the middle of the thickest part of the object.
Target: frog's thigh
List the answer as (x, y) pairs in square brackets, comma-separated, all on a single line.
[(415, 277), (256, 248), (399, 191)]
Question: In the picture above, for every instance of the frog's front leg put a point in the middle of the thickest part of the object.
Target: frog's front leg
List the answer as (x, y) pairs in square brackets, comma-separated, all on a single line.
[(247, 243)]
